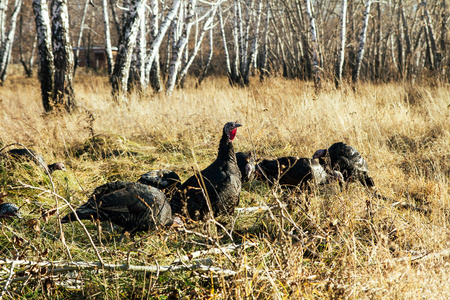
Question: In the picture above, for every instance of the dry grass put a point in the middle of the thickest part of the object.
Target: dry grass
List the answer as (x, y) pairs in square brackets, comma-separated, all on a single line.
[(326, 244)]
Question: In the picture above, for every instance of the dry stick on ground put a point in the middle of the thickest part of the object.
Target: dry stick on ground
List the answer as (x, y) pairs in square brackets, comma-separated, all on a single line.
[(8, 281), (24, 185), (65, 267)]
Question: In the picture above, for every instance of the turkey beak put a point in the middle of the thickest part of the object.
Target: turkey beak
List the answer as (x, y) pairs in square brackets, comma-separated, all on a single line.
[(236, 125)]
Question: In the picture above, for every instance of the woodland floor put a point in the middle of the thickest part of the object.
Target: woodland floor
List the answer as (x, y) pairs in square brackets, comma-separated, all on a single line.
[(328, 243)]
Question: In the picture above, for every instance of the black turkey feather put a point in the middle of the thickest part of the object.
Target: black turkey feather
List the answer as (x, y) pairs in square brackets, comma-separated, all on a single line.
[(347, 160), (131, 205), (220, 182), (246, 164), (165, 180)]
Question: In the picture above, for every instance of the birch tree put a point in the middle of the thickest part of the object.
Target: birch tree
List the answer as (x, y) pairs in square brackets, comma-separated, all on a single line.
[(108, 48), (46, 59), (155, 70), (127, 43), (80, 35), (6, 46), (362, 40), (341, 52), (179, 47), (64, 96), (315, 47)]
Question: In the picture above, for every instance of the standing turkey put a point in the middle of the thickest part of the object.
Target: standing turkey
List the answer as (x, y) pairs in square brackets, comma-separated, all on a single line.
[(346, 159), (165, 180), (246, 164), (220, 182), (293, 171), (37, 158), (130, 205)]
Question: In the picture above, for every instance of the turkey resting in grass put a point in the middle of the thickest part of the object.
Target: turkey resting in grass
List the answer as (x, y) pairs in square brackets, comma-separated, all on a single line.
[(9, 210), (37, 158), (294, 171), (220, 182), (246, 164), (347, 160), (165, 180), (130, 205)]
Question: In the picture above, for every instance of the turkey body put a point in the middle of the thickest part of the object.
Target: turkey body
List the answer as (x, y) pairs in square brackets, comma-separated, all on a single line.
[(347, 160), (246, 164), (37, 158), (292, 171), (8, 210), (130, 205), (220, 183), (165, 180)]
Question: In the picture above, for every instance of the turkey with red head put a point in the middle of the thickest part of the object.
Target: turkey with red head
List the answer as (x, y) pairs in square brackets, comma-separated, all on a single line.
[(219, 184), (347, 160), (293, 171)]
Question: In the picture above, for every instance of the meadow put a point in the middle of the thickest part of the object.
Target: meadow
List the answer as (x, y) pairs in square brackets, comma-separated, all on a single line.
[(326, 243)]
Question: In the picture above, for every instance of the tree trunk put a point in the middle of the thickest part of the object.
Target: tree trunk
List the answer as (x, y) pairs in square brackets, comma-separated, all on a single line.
[(443, 38), (379, 48), (6, 47), (254, 49), (400, 49), (64, 95), (80, 35), (341, 52), (127, 43), (155, 72), (408, 50), (315, 46), (179, 48), (156, 43), (46, 60), (28, 66), (263, 63), (224, 40), (362, 41), (431, 38), (210, 55), (108, 48)]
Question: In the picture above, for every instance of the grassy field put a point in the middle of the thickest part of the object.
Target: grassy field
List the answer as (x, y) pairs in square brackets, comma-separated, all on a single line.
[(326, 243)]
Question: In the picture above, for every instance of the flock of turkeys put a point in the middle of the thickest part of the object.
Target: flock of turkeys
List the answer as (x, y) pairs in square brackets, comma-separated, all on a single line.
[(159, 198)]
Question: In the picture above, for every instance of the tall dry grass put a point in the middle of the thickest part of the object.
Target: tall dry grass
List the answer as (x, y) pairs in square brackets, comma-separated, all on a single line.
[(324, 244)]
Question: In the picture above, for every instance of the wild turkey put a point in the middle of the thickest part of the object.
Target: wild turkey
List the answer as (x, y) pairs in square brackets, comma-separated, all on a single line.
[(165, 180), (221, 182), (294, 171), (130, 205), (246, 164), (31, 155), (346, 159), (9, 210)]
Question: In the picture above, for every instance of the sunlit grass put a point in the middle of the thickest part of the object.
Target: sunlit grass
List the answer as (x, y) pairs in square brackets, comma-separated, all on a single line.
[(349, 238)]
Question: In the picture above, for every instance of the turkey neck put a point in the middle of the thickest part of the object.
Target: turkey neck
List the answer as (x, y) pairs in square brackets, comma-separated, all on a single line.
[(226, 149)]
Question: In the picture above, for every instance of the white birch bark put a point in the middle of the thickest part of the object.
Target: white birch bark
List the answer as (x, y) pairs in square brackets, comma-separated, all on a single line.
[(362, 40), (224, 40), (341, 51), (46, 59), (3, 9), (125, 51), (431, 37), (255, 44), (315, 46), (80, 36), (178, 50), (64, 95), (210, 55), (263, 65), (154, 47), (6, 47), (108, 48), (154, 76), (142, 50), (207, 25)]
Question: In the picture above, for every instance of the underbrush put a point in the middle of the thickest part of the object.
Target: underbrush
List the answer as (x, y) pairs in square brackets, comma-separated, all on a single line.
[(326, 243)]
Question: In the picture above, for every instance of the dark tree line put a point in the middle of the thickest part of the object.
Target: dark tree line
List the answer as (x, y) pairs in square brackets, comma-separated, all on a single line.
[(159, 43)]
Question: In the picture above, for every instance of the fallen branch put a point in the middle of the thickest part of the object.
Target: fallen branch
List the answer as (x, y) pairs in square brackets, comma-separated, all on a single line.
[(221, 250), (59, 267)]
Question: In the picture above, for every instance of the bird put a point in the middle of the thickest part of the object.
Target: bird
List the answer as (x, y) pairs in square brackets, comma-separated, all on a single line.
[(28, 154), (9, 210), (246, 164), (131, 205), (165, 180), (294, 172), (220, 182), (347, 160)]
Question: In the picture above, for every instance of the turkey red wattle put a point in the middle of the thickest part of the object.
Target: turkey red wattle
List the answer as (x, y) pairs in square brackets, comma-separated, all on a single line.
[(232, 134)]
